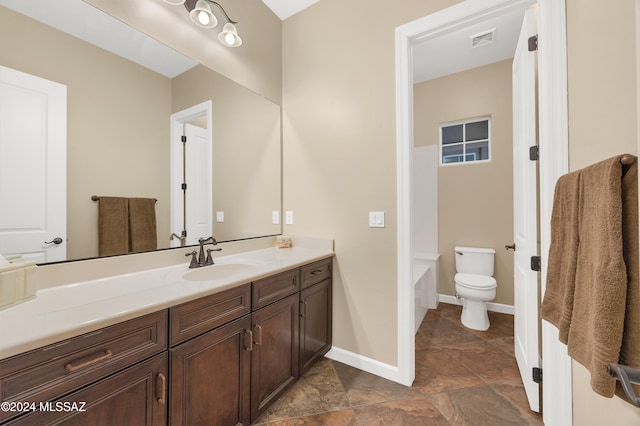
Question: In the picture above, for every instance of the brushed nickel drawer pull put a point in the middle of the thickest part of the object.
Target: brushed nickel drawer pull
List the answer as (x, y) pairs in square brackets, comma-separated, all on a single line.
[(258, 340), (84, 362), (303, 310), (163, 388), (248, 336), (316, 272)]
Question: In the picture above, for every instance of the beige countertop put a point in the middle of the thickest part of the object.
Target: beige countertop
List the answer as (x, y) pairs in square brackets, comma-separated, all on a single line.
[(69, 310)]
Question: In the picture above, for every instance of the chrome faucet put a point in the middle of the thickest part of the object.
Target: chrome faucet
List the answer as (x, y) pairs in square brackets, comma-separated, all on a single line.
[(201, 260)]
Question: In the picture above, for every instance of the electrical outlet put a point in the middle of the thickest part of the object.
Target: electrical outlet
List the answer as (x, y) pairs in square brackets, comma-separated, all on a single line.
[(288, 217), (219, 216), (275, 217)]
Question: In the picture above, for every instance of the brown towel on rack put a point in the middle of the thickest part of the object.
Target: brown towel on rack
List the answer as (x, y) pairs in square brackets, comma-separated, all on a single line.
[(597, 322), (142, 224), (630, 351), (563, 250), (113, 226)]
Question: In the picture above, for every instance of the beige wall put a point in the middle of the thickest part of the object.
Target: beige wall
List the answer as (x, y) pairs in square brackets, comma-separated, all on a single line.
[(246, 152), (257, 64), (117, 123), (475, 201), (340, 155), (603, 120)]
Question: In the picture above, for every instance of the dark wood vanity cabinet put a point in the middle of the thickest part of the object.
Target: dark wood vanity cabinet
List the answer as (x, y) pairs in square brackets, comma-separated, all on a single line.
[(222, 359), (103, 372), (210, 359), (135, 396), (274, 360), (315, 323), (210, 377)]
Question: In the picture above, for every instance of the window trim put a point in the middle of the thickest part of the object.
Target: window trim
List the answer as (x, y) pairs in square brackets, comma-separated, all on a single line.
[(464, 142)]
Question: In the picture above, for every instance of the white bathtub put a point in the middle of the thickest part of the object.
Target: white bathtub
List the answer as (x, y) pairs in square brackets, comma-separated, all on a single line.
[(425, 278)]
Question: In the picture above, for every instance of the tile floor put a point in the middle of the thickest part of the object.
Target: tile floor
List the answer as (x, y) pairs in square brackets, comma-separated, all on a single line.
[(463, 377)]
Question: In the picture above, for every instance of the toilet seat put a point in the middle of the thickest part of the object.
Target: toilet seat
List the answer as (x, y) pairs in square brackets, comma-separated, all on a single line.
[(476, 282)]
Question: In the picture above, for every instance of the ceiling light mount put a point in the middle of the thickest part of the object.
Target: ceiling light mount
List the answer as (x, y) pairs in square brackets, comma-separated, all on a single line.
[(201, 14)]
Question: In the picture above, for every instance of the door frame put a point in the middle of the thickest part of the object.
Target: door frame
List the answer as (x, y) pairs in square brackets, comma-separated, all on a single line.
[(178, 120), (553, 142)]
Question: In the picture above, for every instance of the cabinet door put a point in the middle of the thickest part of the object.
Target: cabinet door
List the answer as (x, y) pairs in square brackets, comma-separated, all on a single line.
[(210, 377), (315, 323), (135, 396), (275, 352)]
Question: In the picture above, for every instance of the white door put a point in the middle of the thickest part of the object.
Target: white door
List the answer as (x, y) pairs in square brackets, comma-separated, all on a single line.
[(191, 165), (33, 166), (198, 174), (525, 210)]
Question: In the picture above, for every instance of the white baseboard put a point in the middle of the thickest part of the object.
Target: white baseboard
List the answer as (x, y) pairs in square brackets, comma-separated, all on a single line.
[(361, 362), (491, 306)]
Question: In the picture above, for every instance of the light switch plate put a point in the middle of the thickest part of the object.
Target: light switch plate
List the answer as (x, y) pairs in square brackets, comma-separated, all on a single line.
[(219, 216), (376, 219), (288, 217)]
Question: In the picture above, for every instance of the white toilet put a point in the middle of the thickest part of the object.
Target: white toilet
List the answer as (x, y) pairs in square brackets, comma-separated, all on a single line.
[(475, 284)]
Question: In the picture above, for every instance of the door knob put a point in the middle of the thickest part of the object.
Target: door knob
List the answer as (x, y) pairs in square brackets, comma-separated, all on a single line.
[(56, 240), (510, 247)]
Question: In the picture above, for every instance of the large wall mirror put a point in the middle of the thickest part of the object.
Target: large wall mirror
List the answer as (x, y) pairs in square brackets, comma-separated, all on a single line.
[(118, 133)]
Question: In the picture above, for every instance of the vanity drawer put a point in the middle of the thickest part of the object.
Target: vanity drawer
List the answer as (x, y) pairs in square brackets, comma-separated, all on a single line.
[(272, 289), (315, 272), (201, 315), (43, 374)]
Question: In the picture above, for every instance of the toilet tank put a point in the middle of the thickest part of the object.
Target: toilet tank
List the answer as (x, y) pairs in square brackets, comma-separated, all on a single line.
[(475, 260)]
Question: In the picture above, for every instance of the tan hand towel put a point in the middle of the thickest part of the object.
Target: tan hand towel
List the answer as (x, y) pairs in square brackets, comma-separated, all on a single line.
[(597, 322), (630, 351), (557, 307), (142, 224), (113, 226)]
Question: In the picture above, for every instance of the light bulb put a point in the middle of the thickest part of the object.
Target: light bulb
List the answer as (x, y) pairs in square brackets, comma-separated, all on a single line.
[(203, 17), (229, 38)]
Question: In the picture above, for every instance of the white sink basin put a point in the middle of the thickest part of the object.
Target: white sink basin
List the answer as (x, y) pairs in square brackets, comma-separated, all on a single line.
[(217, 271)]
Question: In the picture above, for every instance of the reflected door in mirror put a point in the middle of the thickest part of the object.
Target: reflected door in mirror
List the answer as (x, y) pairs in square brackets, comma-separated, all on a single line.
[(33, 170)]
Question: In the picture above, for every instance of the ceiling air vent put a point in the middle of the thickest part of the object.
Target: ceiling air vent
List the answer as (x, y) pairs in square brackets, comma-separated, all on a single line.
[(483, 38)]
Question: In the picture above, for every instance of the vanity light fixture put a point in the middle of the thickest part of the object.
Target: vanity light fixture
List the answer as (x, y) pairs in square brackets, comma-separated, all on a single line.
[(201, 14)]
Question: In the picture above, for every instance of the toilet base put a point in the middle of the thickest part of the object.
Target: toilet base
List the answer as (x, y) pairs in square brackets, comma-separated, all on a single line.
[(474, 315)]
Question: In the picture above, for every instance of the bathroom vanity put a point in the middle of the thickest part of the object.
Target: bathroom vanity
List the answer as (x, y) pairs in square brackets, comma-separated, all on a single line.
[(222, 354)]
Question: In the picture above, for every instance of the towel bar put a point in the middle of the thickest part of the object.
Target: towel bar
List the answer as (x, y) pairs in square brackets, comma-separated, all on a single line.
[(97, 198), (627, 375), (627, 159)]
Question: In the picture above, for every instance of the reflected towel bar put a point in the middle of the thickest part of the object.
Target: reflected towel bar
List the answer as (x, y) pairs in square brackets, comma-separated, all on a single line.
[(626, 375), (97, 198), (627, 159)]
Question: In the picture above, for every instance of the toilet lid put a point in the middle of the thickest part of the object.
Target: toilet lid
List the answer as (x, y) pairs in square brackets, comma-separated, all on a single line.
[(481, 282)]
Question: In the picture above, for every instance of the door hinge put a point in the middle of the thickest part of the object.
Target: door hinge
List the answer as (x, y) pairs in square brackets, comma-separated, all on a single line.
[(535, 263), (533, 43), (537, 375), (534, 153), (184, 186), (183, 139)]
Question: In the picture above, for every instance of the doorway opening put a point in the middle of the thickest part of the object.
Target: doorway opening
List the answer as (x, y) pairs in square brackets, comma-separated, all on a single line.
[(553, 147), (191, 174)]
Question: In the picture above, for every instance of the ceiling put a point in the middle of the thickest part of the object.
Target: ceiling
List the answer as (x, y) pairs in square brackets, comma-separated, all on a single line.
[(452, 52), (285, 8), (433, 58)]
